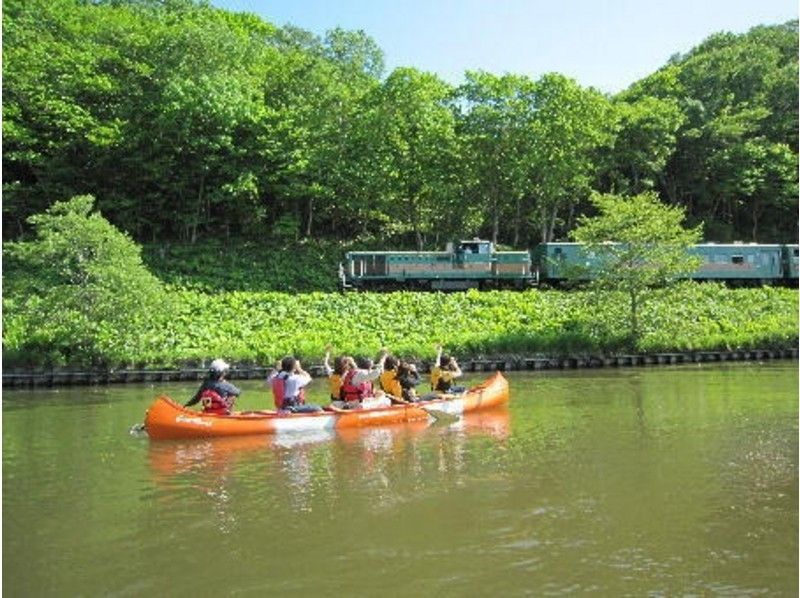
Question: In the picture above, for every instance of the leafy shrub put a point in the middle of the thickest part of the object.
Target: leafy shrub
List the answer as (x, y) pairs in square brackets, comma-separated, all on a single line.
[(78, 292)]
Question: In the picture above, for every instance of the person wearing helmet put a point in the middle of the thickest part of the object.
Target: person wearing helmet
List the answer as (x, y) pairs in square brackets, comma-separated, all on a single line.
[(216, 394)]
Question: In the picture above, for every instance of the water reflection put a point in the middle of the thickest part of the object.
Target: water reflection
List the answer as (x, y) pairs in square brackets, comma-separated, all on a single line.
[(380, 465)]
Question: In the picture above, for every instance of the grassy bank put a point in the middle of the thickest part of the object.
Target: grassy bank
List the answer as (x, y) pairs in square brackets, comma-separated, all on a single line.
[(259, 327)]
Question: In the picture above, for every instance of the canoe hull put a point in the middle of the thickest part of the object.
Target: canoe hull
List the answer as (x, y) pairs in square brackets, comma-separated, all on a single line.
[(166, 419)]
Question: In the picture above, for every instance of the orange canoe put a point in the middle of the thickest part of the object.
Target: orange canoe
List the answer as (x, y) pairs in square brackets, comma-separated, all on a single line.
[(167, 419)]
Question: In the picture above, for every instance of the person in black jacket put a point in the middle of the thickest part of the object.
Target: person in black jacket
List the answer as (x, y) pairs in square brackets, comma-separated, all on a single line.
[(409, 378), (216, 393)]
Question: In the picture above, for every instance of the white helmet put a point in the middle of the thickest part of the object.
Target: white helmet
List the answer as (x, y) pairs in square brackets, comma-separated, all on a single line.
[(218, 366)]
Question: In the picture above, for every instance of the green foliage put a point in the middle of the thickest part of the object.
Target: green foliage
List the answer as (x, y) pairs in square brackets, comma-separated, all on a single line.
[(738, 95), (215, 266), (412, 133), (79, 291), (259, 327), (645, 141), (637, 243), (189, 122)]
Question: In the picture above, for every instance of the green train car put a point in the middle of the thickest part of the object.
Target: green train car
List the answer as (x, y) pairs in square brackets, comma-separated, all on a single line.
[(468, 264), (477, 264), (732, 263)]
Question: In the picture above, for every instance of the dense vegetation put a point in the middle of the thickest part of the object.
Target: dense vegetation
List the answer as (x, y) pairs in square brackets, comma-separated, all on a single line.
[(247, 158), (259, 327), (81, 295), (189, 123)]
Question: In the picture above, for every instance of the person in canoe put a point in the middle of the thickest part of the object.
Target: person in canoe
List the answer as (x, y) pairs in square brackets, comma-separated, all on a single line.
[(408, 378), (288, 383), (216, 394), (335, 373), (444, 371), (389, 381), (357, 390)]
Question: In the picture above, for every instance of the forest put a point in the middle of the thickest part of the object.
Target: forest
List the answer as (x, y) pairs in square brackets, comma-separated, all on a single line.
[(180, 181), (190, 123)]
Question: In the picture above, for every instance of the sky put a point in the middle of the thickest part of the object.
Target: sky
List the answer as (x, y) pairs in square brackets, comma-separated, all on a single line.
[(606, 44)]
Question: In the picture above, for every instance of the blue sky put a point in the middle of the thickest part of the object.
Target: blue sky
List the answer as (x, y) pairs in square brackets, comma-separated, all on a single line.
[(607, 44)]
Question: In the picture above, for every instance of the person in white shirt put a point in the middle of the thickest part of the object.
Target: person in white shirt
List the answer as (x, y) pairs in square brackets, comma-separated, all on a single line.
[(288, 383)]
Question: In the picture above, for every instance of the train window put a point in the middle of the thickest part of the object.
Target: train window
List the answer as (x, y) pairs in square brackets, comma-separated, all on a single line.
[(796, 252), (737, 259)]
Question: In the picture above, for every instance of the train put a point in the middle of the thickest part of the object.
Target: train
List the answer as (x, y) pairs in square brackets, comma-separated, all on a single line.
[(478, 264)]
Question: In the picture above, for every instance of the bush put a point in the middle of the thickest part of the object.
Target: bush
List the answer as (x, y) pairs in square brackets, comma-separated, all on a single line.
[(78, 293)]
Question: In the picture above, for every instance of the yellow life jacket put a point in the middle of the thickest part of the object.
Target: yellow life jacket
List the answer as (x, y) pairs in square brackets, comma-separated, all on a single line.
[(335, 382), (390, 384), (438, 374), (436, 371)]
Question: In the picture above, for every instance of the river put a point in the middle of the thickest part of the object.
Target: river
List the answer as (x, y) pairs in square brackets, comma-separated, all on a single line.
[(679, 480)]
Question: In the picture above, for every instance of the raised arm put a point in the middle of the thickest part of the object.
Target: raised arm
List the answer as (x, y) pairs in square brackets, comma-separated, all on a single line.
[(304, 378), (439, 349), (457, 373), (327, 363)]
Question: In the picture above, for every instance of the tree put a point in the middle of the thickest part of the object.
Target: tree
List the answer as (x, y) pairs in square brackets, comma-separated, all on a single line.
[(313, 90), (415, 155), (636, 243), (645, 141), (81, 287), (571, 126), (495, 122), (739, 99)]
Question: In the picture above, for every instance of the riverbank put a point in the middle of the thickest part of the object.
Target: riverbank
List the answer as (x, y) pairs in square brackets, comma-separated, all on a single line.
[(189, 328), (18, 378)]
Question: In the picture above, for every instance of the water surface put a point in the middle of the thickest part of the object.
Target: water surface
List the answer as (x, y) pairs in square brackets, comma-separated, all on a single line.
[(664, 481)]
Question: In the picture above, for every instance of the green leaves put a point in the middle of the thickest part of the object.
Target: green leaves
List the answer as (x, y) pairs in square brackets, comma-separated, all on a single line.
[(80, 288), (639, 243), (189, 122)]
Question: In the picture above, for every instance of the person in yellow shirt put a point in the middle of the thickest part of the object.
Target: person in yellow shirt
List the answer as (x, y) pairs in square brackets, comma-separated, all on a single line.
[(335, 373), (389, 381), (444, 371)]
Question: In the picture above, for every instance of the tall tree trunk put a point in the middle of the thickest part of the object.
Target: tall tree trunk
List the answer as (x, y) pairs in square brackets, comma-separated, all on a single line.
[(495, 221), (669, 185), (551, 225), (754, 234), (200, 209), (310, 217), (543, 223)]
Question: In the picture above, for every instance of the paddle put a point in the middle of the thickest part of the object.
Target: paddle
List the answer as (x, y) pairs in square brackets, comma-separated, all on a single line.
[(441, 416), (437, 414)]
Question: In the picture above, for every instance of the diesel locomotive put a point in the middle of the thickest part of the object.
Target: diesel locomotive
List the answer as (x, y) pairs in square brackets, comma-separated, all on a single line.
[(469, 264)]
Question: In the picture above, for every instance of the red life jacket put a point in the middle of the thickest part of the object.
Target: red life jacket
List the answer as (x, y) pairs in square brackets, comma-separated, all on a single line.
[(352, 392), (278, 391), (213, 402)]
